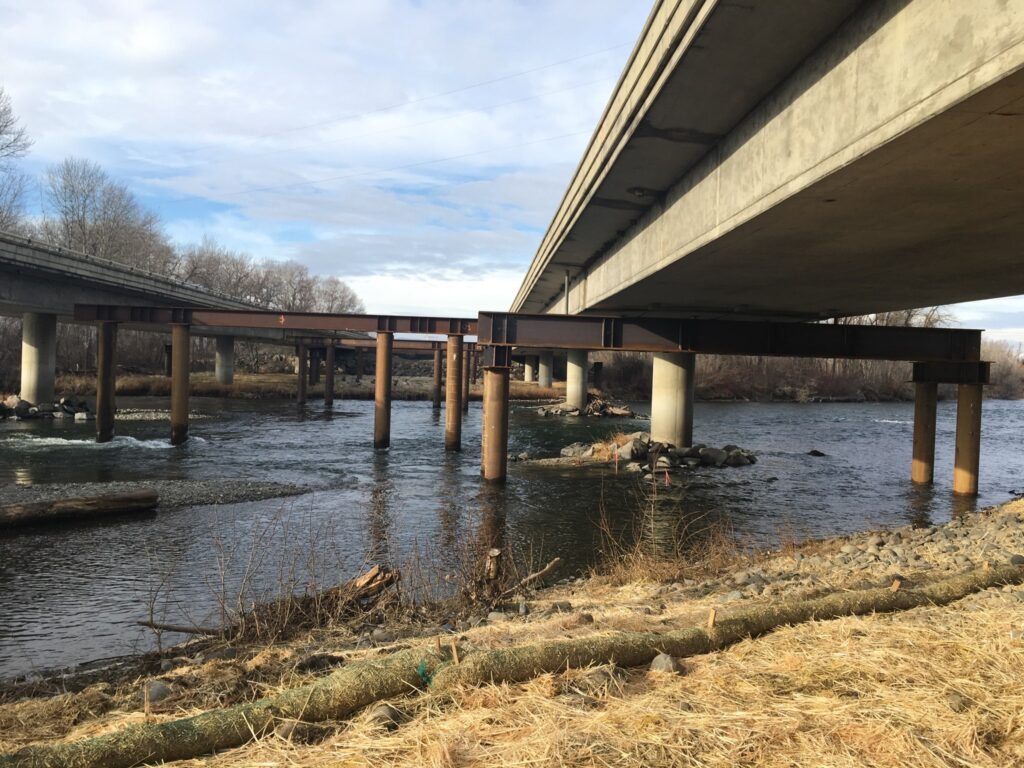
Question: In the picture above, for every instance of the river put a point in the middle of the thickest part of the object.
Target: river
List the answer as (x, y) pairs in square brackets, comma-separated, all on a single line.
[(72, 594)]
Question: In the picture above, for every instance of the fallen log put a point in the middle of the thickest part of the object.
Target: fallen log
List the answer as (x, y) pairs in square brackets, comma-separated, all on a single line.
[(362, 683), (184, 629), (81, 508)]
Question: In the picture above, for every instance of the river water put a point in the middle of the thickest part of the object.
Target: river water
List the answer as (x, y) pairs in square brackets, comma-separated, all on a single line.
[(73, 594)]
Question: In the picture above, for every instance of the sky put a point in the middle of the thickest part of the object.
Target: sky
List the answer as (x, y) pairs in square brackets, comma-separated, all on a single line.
[(417, 149)]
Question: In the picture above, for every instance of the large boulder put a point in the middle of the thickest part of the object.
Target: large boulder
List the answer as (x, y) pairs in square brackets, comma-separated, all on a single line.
[(578, 450), (632, 450), (713, 457)]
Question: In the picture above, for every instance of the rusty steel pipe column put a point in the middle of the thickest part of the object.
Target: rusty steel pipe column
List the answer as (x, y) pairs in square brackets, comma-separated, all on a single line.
[(438, 364), (359, 364), (968, 440), (453, 396), (106, 380), (329, 376), (180, 343), (474, 363), (314, 366), (494, 446), (382, 391), (467, 364), (922, 468), (167, 360), (302, 371)]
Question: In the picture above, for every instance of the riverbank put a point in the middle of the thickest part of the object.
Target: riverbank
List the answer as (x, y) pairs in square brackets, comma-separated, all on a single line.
[(260, 386), (931, 686)]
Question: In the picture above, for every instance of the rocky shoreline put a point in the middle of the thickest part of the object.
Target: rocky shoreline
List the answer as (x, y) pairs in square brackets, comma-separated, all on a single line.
[(174, 494)]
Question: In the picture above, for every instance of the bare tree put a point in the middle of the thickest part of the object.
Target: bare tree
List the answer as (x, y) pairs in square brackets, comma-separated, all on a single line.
[(14, 139)]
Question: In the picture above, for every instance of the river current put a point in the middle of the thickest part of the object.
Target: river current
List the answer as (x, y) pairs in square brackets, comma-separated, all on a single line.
[(73, 594)]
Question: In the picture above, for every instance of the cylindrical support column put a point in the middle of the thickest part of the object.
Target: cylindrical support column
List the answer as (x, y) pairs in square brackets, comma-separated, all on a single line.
[(329, 376), (576, 378), (314, 366), (382, 391), (545, 366), (466, 365), (106, 380), (38, 357), (968, 440), (302, 373), (453, 396), (438, 365), (359, 364), (922, 468), (224, 359), (494, 447), (672, 398), (474, 362), (530, 369), (180, 344), (167, 360)]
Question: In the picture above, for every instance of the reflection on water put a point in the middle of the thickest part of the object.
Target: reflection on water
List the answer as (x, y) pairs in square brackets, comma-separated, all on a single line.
[(73, 594)]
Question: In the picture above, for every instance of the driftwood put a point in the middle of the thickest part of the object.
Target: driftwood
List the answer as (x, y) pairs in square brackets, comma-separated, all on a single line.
[(88, 507), (362, 683), (185, 629), (536, 576)]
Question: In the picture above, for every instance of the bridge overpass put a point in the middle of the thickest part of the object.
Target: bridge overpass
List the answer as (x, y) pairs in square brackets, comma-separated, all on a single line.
[(785, 160), (42, 283)]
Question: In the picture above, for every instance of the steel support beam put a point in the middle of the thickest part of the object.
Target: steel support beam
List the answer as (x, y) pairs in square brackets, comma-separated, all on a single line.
[(106, 380), (181, 342), (968, 440), (438, 366), (728, 337), (494, 446), (467, 364), (453, 396), (922, 470), (382, 392)]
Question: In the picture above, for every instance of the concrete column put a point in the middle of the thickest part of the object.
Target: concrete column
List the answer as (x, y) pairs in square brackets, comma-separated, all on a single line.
[(224, 359), (38, 357), (530, 369), (302, 373), (545, 365), (382, 391), (466, 365), (106, 380), (438, 365), (453, 396), (968, 440), (180, 343), (672, 398), (576, 378), (922, 470), (329, 376), (494, 447)]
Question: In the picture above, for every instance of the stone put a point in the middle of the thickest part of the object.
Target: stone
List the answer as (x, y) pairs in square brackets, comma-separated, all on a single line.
[(730, 448), (713, 456), (816, 452), (730, 596), (667, 664), (849, 549), (386, 716), (496, 617), (382, 636), (584, 618), (157, 690), (523, 608), (560, 606), (318, 661), (664, 462), (737, 459), (632, 450), (600, 679), (1016, 559), (221, 654), (958, 702), (578, 450), (741, 577)]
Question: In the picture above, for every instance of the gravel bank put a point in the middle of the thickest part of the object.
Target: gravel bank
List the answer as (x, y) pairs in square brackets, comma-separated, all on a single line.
[(173, 493)]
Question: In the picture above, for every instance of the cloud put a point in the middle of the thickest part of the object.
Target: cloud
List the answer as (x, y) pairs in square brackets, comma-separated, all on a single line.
[(394, 137)]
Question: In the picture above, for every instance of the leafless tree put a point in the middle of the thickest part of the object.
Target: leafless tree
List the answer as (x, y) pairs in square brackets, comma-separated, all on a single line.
[(14, 143), (14, 139)]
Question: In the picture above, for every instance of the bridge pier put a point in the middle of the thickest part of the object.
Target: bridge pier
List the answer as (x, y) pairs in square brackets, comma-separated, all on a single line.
[(359, 365), (382, 391), (529, 369), (302, 373), (106, 380), (38, 357), (576, 378), (494, 447), (314, 366), (453, 395), (224, 359), (922, 469), (436, 392), (968, 440), (475, 364), (545, 366), (180, 344), (467, 364), (672, 382), (167, 360), (329, 375)]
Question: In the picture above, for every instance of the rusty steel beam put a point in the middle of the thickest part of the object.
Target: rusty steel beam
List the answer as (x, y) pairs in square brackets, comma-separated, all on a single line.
[(944, 372), (726, 337), (305, 321)]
